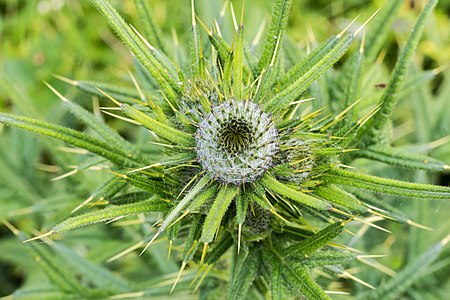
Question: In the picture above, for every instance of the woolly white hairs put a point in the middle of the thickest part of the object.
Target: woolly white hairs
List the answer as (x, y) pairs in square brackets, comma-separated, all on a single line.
[(236, 142)]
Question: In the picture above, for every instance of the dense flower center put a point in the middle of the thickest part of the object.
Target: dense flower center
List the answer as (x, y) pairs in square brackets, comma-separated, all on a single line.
[(236, 142), (235, 136)]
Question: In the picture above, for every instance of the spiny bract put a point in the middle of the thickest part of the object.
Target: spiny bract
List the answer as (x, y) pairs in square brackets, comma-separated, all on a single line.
[(257, 167)]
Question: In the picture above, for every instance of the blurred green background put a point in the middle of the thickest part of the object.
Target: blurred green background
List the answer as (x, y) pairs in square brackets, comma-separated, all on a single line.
[(39, 39)]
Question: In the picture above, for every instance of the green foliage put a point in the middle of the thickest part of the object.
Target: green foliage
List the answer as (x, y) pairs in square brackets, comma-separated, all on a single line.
[(240, 152)]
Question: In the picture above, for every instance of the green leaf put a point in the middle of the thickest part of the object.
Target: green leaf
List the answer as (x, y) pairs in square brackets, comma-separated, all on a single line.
[(51, 265), (204, 181), (123, 94), (278, 286), (387, 186), (238, 64), (280, 17), (101, 277), (110, 213), (340, 197), (220, 205), (396, 286), (169, 133), (380, 28), (73, 137), (395, 84), (402, 159), (110, 136), (272, 184), (242, 281), (297, 276), (315, 241), (297, 88), (308, 61), (148, 56), (152, 32)]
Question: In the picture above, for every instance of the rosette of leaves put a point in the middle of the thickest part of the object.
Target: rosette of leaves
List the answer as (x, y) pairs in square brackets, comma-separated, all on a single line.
[(239, 160)]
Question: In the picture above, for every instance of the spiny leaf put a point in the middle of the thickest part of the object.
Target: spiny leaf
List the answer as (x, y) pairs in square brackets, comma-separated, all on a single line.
[(272, 184), (191, 242), (399, 158), (221, 246), (110, 213), (101, 277), (380, 28), (169, 133), (390, 96), (280, 17), (315, 241), (150, 58), (152, 32), (308, 61), (340, 197), (238, 66), (243, 280), (326, 258), (123, 94), (51, 265), (394, 288), (184, 202), (103, 131), (212, 222), (73, 137), (297, 88), (387, 186)]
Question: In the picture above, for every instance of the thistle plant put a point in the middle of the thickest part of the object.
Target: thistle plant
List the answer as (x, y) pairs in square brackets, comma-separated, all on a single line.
[(249, 167)]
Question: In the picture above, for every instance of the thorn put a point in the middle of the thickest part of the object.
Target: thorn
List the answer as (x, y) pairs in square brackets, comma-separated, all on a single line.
[(145, 168), (121, 118), (169, 250), (361, 48), (380, 214), (239, 237), (378, 266), (346, 28), (350, 276), (412, 223), (138, 87), (109, 97), (372, 225), (440, 69), (202, 278), (151, 241), (199, 272), (64, 99), (10, 226), (70, 173), (259, 33), (142, 38), (445, 240), (371, 256), (272, 62), (40, 236), (65, 79), (208, 31), (336, 293), (365, 23), (242, 14), (179, 218), (193, 14), (183, 265), (126, 251), (205, 247), (224, 9), (233, 16)]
